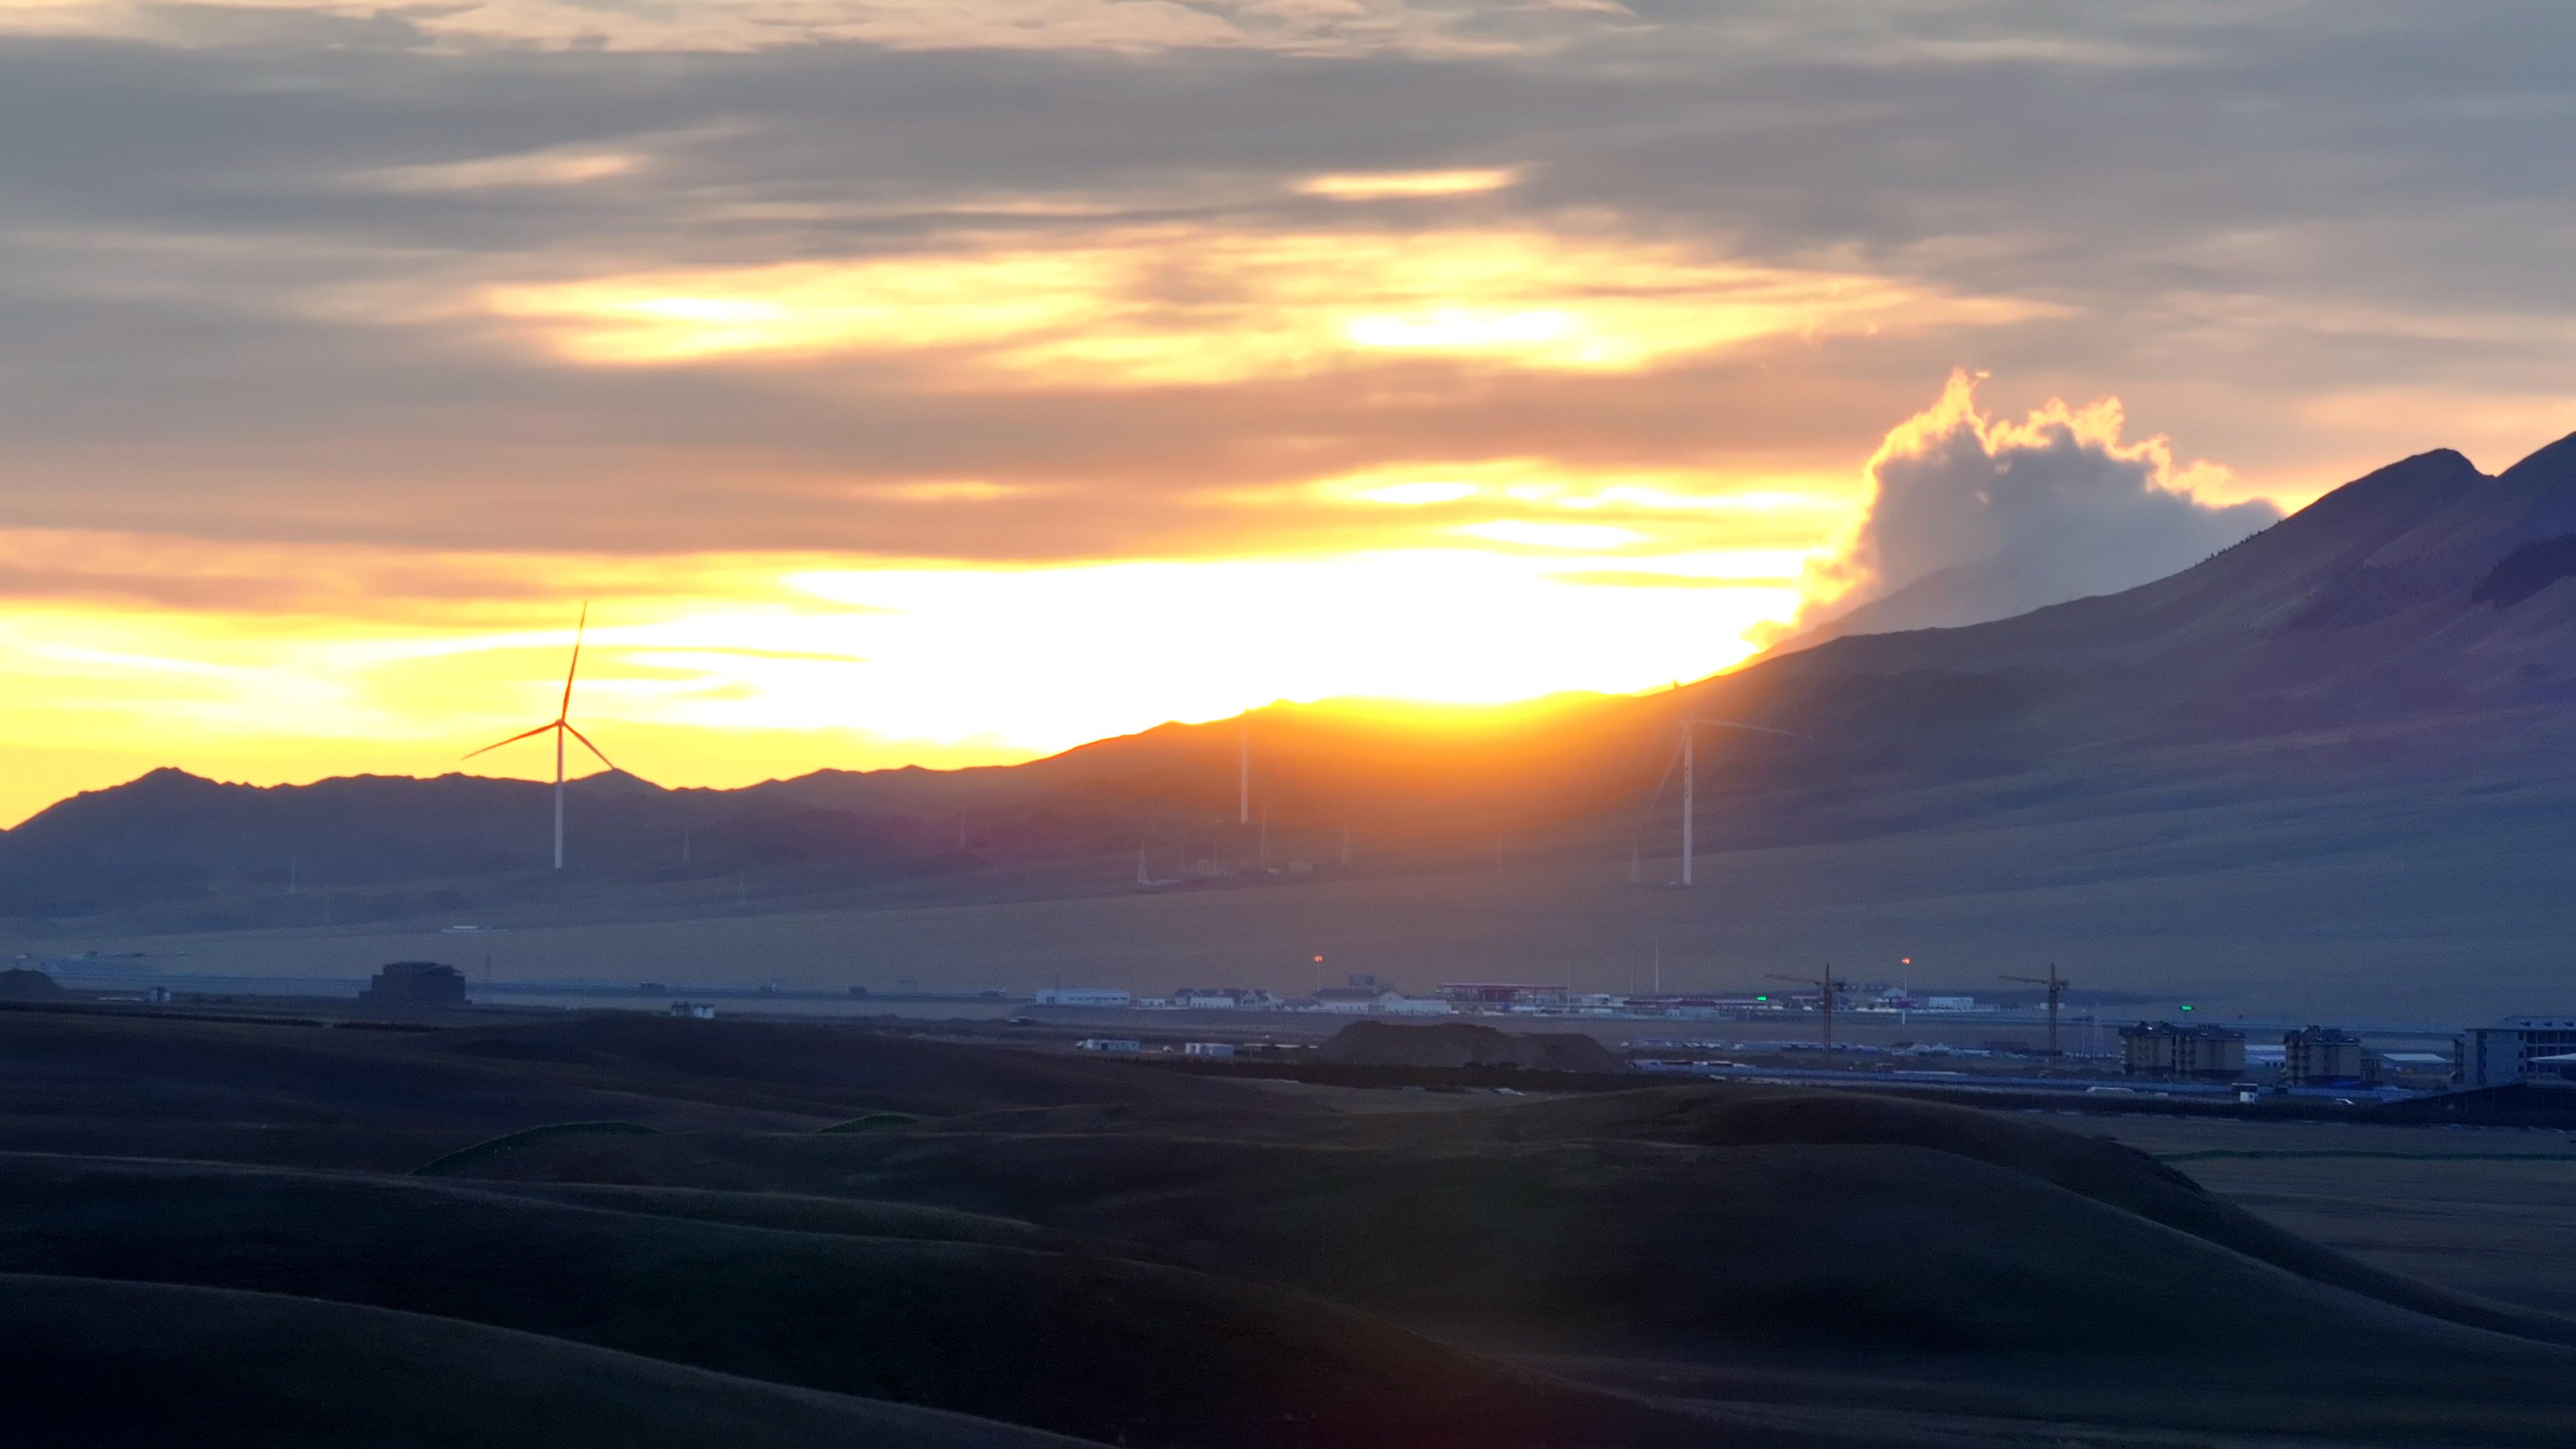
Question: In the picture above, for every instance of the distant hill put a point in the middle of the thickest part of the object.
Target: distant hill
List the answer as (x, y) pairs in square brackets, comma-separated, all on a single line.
[(2411, 636), (172, 836)]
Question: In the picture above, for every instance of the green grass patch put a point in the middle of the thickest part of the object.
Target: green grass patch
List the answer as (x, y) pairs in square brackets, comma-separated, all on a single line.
[(2290, 1154), (872, 1122), (484, 1151)]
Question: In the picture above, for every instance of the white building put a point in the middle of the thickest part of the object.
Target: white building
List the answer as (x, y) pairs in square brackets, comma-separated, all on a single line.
[(1208, 1049), (1225, 998), (1108, 1044), (1085, 996), (1375, 1001), (2491, 1056), (1350, 1000), (1395, 1004)]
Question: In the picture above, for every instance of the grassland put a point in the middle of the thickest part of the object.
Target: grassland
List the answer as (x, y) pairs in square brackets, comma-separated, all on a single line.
[(2486, 1211), (1054, 1244)]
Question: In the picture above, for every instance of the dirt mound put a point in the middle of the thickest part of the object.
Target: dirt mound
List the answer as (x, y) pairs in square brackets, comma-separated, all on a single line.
[(1464, 1044), (154, 1363), (20, 984)]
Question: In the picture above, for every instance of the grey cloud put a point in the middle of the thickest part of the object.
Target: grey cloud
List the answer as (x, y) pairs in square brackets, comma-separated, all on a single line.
[(2156, 171), (1974, 518)]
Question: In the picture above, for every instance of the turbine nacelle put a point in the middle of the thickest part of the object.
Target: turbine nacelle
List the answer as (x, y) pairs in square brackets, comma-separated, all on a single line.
[(561, 725)]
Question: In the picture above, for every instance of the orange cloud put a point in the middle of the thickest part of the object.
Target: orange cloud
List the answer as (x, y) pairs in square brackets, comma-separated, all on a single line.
[(1184, 304), (1387, 185)]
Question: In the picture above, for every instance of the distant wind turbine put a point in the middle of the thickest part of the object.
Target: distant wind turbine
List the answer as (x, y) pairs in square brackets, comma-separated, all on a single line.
[(1686, 755), (562, 725)]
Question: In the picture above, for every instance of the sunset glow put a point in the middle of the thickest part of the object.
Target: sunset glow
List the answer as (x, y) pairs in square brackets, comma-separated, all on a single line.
[(942, 382), (1184, 305), (737, 674)]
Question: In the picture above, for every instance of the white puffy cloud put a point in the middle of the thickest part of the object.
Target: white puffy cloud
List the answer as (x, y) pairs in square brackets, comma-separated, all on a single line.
[(1974, 517)]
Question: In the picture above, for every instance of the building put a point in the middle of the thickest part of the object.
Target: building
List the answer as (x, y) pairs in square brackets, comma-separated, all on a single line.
[(1208, 1049), (694, 1010), (2163, 1049), (2552, 1071), (2417, 1071), (1108, 1044), (1225, 998), (1350, 1000), (416, 983), (1503, 995), (1375, 1001), (2322, 1056), (2491, 1056), (1085, 996)]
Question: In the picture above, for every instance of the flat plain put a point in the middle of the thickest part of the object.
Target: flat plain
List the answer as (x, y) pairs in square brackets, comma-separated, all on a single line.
[(2490, 1211)]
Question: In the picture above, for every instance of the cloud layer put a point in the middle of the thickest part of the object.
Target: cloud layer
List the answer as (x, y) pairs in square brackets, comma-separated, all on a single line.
[(1972, 517), (323, 321)]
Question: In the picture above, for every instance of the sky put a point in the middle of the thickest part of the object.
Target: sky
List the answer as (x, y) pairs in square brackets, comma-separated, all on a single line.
[(951, 381)]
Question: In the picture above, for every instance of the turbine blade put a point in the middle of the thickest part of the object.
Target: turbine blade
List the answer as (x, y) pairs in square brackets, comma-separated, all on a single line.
[(587, 745), (1657, 798), (512, 740), (577, 631)]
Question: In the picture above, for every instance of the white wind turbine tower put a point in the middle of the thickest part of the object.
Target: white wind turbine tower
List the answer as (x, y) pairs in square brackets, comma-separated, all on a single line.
[(562, 725), (1686, 754)]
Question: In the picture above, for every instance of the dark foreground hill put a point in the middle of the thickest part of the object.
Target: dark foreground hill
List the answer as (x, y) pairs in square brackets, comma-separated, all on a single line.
[(129, 1363), (1067, 1337), (794, 1220)]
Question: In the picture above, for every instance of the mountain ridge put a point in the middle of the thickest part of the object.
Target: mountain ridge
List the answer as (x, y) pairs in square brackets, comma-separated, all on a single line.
[(2342, 644)]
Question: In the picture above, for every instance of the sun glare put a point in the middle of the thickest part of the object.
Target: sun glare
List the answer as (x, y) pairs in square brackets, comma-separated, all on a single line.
[(728, 676)]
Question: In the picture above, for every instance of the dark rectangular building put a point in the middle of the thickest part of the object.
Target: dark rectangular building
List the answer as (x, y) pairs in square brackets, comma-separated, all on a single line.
[(416, 983), (2163, 1049), (2321, 1056)]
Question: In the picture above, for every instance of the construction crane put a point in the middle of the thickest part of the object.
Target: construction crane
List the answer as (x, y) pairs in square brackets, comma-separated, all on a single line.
[(1824, 983), (2056, 985)]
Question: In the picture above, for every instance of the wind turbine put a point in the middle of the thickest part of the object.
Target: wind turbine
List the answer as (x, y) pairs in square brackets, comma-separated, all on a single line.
[(562, 725), (1686, 753)]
